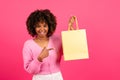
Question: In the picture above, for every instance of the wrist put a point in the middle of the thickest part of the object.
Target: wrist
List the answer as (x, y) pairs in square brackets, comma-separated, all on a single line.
[(40, 59)]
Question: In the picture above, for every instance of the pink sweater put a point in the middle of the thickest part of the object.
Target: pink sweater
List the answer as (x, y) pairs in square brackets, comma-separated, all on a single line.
[(51, 64)]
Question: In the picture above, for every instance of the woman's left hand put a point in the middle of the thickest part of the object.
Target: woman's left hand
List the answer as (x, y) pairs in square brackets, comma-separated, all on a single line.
[(70, 23)]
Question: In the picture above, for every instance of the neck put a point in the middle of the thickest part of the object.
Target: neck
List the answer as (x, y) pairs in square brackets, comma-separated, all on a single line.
[(42, 38)]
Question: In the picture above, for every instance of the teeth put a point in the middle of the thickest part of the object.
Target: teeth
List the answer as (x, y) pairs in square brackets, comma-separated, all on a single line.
[(42, 32)]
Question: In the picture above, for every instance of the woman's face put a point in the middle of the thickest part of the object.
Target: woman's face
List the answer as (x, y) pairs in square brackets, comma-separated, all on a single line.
[(42, 29)]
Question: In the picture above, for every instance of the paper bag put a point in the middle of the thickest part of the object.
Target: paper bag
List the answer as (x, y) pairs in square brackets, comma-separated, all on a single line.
[(74, 44)]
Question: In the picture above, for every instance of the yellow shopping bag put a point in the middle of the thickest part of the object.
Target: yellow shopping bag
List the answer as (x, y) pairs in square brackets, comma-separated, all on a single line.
[(74, 44)]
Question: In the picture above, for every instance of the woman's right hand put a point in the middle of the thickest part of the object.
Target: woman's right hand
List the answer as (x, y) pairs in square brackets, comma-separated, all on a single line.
[(44, 53)]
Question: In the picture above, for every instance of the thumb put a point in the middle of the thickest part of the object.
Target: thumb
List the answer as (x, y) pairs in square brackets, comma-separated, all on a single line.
[(43, 48)]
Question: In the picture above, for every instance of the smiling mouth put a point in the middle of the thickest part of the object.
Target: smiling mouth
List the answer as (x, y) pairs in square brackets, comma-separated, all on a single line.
[(42, 33)]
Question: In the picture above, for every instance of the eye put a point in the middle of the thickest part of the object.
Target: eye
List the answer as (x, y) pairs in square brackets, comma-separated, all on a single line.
[(45, 25), (37, 26)]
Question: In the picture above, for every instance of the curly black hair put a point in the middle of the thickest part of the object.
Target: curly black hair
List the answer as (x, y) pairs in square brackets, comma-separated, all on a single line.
[(41, 16)]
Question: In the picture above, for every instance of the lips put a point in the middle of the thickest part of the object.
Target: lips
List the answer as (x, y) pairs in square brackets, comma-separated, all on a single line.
[(42, 33)]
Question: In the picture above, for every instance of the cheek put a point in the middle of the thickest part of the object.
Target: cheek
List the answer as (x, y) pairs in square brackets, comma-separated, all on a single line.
[(36, 29), (47, 29)]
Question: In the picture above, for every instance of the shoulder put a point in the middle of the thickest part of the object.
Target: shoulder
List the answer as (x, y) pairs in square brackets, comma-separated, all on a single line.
[(56, 38), (28, 42)]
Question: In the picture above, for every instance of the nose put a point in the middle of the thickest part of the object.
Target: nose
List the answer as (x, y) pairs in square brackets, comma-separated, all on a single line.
[(41, 28)]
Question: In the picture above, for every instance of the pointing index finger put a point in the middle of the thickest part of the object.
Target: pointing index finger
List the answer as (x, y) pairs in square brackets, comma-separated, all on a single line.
[(51, 49)]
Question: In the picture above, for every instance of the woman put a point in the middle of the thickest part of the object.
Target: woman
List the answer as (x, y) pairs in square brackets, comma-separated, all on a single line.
[(42, 54)]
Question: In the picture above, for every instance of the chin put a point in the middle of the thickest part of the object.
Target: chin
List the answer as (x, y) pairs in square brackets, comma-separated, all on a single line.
[(43, 35)]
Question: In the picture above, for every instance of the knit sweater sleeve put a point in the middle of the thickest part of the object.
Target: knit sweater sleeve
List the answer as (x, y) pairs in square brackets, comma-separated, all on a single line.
[(30, 65)]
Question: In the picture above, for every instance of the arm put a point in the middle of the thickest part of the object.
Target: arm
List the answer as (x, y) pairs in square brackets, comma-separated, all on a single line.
[(30, 65)]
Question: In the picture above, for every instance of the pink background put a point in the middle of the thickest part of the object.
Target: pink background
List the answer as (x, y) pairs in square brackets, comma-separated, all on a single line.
[(101, 19)]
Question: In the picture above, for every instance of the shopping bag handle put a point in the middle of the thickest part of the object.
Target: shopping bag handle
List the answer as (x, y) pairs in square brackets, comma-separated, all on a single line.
[(71, 21)]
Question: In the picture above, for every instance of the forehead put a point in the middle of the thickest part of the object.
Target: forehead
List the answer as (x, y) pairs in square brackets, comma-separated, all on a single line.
[(41, 23)]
